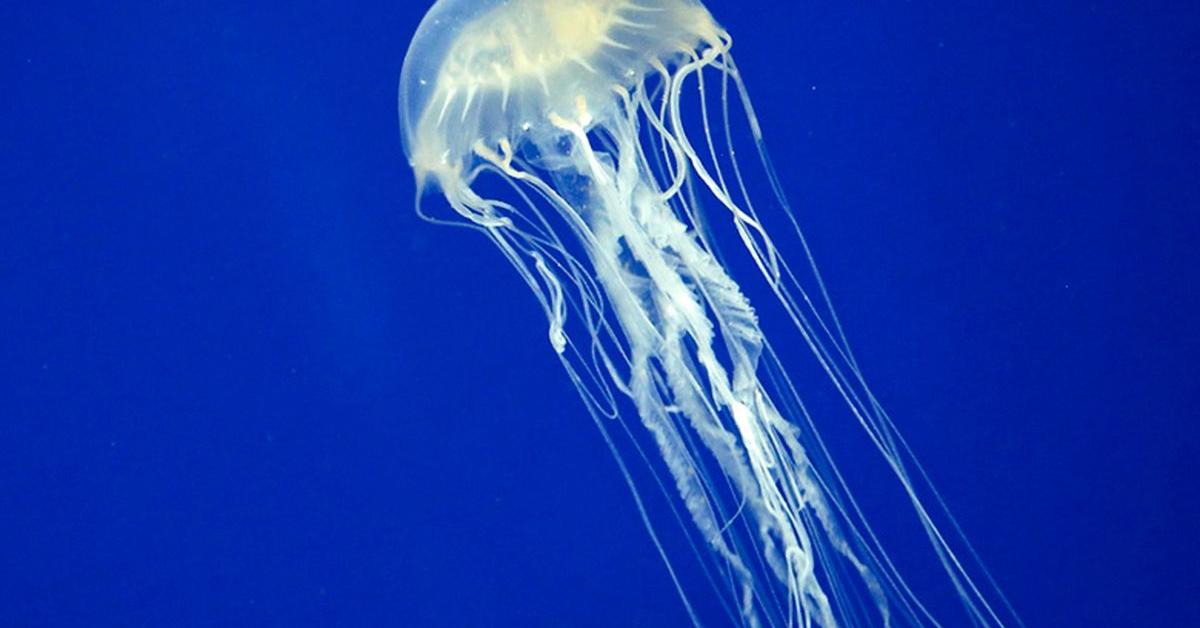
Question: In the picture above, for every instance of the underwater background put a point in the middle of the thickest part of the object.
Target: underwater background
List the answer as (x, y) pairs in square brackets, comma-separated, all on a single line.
[(242, 384)]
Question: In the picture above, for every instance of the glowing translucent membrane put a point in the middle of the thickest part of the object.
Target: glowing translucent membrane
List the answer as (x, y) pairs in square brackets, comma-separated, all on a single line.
[(493, 69), (575, 106)]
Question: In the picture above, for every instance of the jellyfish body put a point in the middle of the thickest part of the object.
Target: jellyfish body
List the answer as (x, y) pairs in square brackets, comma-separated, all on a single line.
[(574, 106)]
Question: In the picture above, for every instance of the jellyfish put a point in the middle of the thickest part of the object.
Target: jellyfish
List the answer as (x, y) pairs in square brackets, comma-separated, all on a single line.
[(595, 144)]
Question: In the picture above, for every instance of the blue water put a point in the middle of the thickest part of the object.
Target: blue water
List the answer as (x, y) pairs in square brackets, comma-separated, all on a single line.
[(241, 384)]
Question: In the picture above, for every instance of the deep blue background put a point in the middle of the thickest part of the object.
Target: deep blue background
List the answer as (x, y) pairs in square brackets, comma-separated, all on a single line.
[(242, 385)]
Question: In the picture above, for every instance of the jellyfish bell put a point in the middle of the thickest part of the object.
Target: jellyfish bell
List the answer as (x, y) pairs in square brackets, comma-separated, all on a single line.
[(606, 186), (487, 72)]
